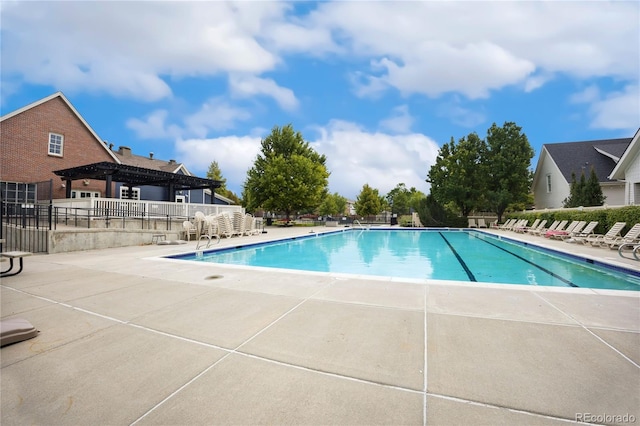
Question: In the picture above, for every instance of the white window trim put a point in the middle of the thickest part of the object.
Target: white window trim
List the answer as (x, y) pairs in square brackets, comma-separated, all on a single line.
[(125, 189), (56, 154), (548, 183), (77, 193)]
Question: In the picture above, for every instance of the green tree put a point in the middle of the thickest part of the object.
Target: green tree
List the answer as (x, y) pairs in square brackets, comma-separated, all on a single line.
[(402, 200), (214, 172), (368, 202), (593, 195), (507, 166), (584, 192), (333, 204), (458, 175), (287, 176)]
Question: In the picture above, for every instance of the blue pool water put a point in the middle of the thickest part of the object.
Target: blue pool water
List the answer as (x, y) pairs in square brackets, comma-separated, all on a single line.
[(426, 254)]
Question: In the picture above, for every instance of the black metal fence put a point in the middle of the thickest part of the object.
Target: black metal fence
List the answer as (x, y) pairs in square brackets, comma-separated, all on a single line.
[(25, 216)]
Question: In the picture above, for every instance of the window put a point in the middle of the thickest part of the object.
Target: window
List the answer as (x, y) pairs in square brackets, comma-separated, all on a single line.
[(85, 194), (548, 184), (124, 193), (13, 192), (55, 144)]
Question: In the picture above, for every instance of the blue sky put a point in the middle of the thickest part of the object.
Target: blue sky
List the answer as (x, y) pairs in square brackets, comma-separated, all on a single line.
[(376, 86)]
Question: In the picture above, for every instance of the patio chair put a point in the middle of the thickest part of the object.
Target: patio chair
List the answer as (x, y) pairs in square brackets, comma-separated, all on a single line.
[(541, 230), (189, 229), (581, 236), (532, 230), (250, 227), (508, 224), (560, 227), (631, 237), (612, 234), (571, 230), (238, 223), (482, 223), (521, 224), (472, 223), (525, 228)]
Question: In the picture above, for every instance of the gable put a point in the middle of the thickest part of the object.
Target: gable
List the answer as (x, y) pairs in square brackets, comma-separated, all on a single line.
[(575, 157)]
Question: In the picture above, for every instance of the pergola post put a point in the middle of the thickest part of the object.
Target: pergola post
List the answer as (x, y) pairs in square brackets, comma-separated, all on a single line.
[(107, 190)]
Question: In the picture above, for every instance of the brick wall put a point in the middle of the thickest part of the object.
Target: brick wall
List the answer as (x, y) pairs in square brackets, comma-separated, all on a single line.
[(24, 146)]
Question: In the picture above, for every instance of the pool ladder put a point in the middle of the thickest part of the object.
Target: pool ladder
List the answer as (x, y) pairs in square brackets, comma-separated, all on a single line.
[(359, 224)]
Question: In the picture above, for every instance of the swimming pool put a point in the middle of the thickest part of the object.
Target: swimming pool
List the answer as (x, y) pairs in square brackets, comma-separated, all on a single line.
[(459, 255)]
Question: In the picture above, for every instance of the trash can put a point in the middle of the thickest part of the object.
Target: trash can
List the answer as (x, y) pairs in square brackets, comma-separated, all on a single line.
[(394, 221), (269, 221)]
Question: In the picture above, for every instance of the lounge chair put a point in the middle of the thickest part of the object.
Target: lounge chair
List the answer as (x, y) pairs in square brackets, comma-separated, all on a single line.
[(482, 223), (581, 236), (508, 224), (573, 229), (610, 236), (560, 227), (542, 229), (631, 237), (525, 228), (238, 223), (472, 223), (521, 224), (534, 229)]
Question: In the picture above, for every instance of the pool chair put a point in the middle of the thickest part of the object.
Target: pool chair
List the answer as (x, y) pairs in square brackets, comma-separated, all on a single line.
[(250, 226), (189, 229), (525, 228), (508, 224), (631, 237), (482, 223), (581, 236), (609, 237), (532, 230), (472, 223), (225, 226), (558, 228), (542, 230), (238, 223), (573, 229), (521, 224)]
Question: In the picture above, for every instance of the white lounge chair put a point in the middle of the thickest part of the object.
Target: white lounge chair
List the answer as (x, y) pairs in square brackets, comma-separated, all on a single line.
[(523, 229), (558, 228), (610, 236), (631, 237), (581, 236), (534, 229), (482, 223), (472, 223), (571, 230), (541, 230)]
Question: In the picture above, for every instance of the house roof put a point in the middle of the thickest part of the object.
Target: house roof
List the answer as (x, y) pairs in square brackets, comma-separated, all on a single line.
[(136, 176), (574, 157), (626, 158), (71, 107), (148, 162)]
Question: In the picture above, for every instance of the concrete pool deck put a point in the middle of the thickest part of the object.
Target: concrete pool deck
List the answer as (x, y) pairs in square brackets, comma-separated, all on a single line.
[(127, 338)]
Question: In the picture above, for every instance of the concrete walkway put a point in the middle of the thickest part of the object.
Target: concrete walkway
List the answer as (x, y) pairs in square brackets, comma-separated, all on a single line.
[(126, 338)]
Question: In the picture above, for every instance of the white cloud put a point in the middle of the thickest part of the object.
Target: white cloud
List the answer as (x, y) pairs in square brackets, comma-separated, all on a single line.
[(153, 126), (614, 110), (235, 156), (457, 114), (400, 120), (215, 114), (619, 110), (103, 47), (475, 47), (248, 86), (356, 156)]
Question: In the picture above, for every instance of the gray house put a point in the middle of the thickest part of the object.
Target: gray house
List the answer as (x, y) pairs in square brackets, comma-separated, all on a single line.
[(156, 193), (552, 179)]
